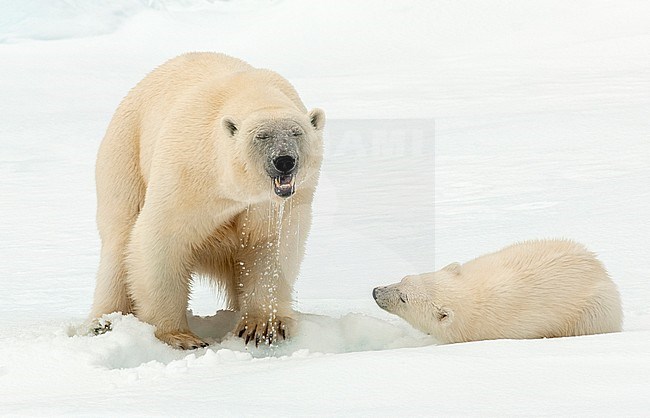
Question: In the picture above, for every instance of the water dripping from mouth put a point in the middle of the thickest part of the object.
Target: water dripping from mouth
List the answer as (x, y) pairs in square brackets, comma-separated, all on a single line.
[(265, 263)]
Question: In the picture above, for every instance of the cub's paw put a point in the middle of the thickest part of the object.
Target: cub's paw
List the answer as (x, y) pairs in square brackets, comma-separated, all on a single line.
[(264, 330), (182, 340)]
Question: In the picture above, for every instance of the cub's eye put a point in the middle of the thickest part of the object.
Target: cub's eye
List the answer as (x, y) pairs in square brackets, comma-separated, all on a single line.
[(262, 135), (295, 132)]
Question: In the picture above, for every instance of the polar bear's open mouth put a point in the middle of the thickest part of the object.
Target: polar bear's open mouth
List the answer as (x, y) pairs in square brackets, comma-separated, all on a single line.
[(284, 185)]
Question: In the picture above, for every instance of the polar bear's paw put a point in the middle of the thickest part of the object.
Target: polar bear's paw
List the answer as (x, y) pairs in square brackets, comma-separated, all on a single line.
[(100, 326), (264, 330), (182, 340)]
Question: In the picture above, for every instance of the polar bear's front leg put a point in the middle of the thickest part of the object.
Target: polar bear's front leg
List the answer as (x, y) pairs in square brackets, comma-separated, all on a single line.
[(159, 279), (264, 292)]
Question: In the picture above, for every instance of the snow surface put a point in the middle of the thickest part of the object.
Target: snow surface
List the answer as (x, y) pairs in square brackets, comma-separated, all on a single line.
[(454, 128)]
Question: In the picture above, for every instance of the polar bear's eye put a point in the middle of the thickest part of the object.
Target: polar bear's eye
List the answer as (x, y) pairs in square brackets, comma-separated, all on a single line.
[(295, 132), (262, 135)]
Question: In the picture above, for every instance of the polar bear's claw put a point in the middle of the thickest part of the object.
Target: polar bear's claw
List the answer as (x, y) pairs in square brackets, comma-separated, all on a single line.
[(263, 332), (182, 340), (100, 326)]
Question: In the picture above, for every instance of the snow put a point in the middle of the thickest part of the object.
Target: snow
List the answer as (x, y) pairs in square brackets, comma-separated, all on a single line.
[(454, 129)]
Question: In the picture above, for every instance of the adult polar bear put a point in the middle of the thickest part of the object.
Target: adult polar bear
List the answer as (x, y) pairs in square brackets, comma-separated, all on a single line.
[(191, 179)]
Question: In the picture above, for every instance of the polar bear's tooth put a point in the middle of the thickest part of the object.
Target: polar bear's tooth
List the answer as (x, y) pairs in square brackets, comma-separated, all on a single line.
[(284, 185)]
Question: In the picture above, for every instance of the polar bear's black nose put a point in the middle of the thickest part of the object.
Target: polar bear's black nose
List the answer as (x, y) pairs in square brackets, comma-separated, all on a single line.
[(374, 293), (284, 164)]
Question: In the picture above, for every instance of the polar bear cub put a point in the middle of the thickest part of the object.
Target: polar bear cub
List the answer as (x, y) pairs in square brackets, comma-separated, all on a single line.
[(533, 289)]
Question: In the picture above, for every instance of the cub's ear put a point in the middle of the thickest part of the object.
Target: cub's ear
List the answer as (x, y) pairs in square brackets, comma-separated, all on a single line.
[(453, 268), (229, 125), (317, 118), (445, 316)]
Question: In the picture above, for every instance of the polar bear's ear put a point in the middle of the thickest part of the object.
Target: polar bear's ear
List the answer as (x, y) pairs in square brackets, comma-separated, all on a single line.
[(444, 315), (229, 125), (317, 118), (453, 268)]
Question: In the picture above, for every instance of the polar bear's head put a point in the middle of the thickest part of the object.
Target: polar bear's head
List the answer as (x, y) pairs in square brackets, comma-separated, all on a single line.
[(421, 300), (277, 149)]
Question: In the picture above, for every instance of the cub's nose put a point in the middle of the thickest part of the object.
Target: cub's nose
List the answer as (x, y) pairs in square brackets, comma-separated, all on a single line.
[(284, 164)]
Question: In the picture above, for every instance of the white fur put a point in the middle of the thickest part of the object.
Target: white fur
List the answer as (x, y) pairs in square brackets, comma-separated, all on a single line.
[(179, 195), (533, 289)]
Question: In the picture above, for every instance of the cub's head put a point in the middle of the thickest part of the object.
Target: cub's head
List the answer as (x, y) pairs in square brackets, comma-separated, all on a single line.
[(421, 300), (277, 150)]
